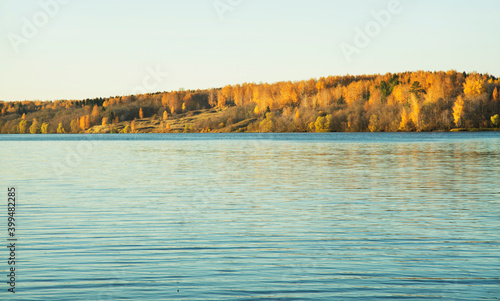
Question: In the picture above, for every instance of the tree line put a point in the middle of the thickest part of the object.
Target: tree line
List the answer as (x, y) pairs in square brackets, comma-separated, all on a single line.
[(410, 101)]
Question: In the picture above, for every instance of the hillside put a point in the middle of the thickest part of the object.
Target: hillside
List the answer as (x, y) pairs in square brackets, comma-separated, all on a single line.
[(410, 101)]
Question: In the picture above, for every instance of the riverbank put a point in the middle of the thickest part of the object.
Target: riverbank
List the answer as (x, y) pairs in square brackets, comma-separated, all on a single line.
[(213, 120)]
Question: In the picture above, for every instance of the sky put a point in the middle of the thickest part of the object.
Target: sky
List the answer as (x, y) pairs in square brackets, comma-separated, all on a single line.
[(77, 49)]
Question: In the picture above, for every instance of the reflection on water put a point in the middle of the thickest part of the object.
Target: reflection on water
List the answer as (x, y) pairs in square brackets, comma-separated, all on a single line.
[(245, 217)]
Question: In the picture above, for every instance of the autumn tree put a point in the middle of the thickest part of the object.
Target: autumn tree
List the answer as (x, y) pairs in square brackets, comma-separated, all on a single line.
[(495, 120), (141, 114), (174, 102), (268, 123), (458, 110), (95, 111), (238, 95), (132, 126), (188, 102), (221, 99), (23, 126), (44, 128), (297, 115), (474, 85), (227, 95), (81, 122), (321, 85), (354, 92), (415, 110), (164, 100), (212, 98), (322, 123), (257, 111), (35, 127), (75, 126), (374, 123), (406, 101), (60, 129), (405, 118), (375, 100)]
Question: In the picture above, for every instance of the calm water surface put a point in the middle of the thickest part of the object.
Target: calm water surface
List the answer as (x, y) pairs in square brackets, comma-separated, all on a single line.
[(254, 216)]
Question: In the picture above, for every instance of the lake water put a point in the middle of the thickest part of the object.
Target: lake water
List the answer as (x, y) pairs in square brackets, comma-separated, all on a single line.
[(254, 216)]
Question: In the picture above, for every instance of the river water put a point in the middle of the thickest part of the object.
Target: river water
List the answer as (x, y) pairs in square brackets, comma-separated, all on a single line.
[(254, 216)]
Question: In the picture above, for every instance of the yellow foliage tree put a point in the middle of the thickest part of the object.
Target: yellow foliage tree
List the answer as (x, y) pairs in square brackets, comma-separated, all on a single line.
[(60, 129), (164, 100), (321, 85), (401, 93), (165, 115), (105, 121), (75, 125), (415, 110), (322, 124), (374, 122), (375, 98), (354, 92), (24, 116), (404, 120), (256, 111), (495, 120), (35, 127), (141, 114), (238, 95), (495, 94), (474, 85), (23, 127), (132, 126), (81, 123), (221, 99), (188, 102), (288, 95), (95, 111), (297, 115), (45, 128), (458, 110), (87, 121)]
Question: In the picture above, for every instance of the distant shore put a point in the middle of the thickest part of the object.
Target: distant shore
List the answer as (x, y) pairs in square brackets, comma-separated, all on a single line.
[(404, 102)]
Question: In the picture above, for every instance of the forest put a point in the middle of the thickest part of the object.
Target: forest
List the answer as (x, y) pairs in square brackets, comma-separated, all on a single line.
[(410, 101)]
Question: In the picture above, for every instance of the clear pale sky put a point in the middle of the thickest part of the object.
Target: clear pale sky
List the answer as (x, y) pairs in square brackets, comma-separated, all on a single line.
[(102, 48)]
